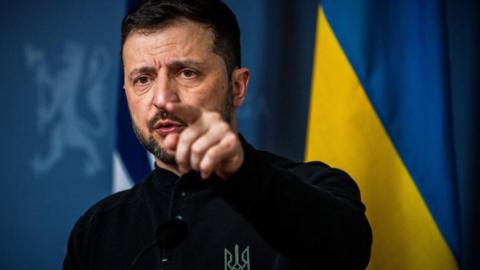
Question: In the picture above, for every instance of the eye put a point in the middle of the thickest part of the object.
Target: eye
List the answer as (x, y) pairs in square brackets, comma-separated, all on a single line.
[(141, 80), (188, 73)]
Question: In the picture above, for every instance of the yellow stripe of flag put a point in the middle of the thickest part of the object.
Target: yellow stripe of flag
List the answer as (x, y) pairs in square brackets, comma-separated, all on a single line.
[(344, 131)]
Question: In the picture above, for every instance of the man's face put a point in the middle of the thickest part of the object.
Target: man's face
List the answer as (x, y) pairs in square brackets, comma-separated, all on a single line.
[(175, 64)]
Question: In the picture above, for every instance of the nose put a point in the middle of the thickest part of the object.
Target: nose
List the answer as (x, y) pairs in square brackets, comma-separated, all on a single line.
[(165, 91)]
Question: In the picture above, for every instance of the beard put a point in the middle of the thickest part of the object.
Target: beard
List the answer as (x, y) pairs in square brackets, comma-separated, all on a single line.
[(152, 145)]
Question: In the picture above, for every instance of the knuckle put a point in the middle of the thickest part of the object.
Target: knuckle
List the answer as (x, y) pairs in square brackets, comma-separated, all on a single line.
[(205, 165), (228, 146), (230, 140), (186, 136), (197, 148), (223, 126), (215, 116), (211, 155)]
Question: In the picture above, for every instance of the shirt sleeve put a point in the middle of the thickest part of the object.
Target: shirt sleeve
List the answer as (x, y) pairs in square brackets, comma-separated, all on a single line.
[(309, 212)]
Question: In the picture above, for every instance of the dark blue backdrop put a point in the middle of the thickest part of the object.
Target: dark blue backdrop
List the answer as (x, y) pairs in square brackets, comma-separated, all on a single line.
[(59, 87)]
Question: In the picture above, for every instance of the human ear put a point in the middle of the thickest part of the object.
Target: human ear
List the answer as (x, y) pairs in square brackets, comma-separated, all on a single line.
[(240, 78)]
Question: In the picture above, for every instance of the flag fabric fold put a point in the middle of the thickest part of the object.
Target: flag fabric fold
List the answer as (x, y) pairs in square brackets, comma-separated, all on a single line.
[(380, 109)]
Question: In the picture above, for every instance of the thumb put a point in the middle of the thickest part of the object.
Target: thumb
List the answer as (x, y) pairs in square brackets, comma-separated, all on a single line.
[(171, 141)]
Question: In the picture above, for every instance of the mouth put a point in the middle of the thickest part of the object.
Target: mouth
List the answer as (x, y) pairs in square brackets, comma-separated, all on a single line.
[(165, 127)]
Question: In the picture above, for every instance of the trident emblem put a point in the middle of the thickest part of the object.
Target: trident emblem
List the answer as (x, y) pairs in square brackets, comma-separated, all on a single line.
[(237, 260)]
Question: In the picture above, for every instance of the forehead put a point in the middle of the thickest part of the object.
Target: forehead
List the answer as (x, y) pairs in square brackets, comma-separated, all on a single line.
[(177, 39)]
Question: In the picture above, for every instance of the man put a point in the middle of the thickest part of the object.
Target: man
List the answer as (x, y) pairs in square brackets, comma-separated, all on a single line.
[(212, 202)]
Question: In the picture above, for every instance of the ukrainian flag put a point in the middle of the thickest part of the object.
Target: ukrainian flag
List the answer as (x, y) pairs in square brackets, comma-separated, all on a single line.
[(380, 109)]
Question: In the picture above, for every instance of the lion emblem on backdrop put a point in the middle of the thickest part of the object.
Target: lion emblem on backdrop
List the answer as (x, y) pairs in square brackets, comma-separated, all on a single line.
[(70, 113)]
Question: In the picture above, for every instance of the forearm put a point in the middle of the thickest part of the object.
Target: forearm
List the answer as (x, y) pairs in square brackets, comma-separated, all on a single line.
[(318, 224)]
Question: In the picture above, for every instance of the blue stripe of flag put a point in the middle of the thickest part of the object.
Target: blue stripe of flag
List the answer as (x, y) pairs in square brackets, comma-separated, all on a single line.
[(398, 50)]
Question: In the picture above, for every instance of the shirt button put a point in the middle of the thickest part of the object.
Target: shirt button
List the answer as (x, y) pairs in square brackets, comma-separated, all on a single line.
[(179, 217), (183, 194)]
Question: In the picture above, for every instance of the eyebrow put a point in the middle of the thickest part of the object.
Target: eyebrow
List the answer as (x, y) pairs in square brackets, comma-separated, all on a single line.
[(174, 64), (141, 70), (184, 63)]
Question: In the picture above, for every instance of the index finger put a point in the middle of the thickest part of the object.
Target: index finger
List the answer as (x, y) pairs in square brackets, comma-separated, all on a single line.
[(187, 113)]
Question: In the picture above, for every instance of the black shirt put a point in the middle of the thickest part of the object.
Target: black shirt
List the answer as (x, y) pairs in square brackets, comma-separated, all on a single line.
[(272, 214)]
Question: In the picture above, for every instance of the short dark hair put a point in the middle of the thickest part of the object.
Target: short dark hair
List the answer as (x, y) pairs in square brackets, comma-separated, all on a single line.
[(151, 15)]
